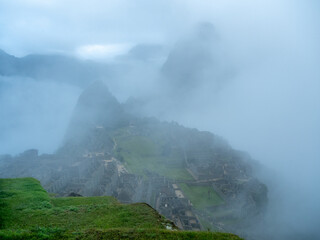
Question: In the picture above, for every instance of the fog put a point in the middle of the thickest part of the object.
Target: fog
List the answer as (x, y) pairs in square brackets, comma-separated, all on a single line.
[(245, 70), (33, 114)]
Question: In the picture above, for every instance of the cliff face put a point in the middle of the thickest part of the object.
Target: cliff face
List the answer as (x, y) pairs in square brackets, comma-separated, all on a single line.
[(192, 177)]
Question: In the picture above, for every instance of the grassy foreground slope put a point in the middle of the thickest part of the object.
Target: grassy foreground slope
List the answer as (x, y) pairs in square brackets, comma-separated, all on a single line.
[(28, 212)]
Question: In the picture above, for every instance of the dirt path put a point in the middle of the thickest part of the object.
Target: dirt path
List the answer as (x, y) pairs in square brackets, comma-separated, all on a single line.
[(114, 144)]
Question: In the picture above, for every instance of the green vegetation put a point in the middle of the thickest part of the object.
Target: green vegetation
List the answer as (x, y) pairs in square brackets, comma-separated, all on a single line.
[(115, 234), (142, 153), (201, 196), (25, 197), (158, 235), (28, 212)]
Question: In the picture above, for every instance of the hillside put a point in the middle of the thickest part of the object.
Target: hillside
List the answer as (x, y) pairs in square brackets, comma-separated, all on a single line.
[(28, 212), (194, 178)]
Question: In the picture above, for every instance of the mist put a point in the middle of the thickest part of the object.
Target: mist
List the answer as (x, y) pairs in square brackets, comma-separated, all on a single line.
[(245, 70), (33, 114)]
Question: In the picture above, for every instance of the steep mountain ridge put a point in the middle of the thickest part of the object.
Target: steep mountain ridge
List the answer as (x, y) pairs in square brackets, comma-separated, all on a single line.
[(96, 107)]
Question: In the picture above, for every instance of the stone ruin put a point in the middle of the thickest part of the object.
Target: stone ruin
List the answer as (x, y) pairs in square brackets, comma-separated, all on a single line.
[(100, 174)]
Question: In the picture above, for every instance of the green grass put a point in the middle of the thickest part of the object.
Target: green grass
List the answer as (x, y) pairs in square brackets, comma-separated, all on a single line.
[(114, 234), (157, 234), (28, 212), (25, 197), (142, 153), (201, 196)]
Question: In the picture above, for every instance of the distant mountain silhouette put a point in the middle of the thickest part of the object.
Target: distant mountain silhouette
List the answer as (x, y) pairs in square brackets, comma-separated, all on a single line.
[(8, 64), (53, 67)]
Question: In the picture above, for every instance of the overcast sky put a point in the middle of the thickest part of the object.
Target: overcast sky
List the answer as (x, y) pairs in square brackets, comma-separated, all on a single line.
[(70, 26)]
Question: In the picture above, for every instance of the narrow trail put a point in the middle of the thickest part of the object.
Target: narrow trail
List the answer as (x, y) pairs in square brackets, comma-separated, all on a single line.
[(115, 144)]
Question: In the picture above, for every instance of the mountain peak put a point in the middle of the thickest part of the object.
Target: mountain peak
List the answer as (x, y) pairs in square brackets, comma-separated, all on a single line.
[(96, 107), (97, 95)]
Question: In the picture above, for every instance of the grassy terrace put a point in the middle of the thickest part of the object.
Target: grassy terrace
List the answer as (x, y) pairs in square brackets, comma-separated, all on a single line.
[(201, 196), (26, 204), (28, 212), (142, 153)]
